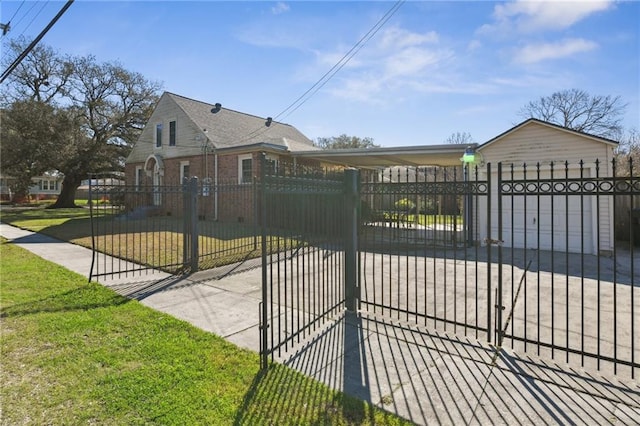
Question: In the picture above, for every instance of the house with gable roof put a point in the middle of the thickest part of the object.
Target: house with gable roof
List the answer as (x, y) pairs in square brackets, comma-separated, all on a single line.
[(185, 138)]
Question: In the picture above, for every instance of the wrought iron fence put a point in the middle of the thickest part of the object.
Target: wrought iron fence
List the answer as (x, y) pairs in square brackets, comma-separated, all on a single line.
[(303, 254), (542, 258), (419, 260), (177, 229), (131, 231), (578, 300)]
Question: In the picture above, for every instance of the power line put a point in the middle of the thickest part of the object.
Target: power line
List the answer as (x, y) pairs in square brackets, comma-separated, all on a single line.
[(24, 54), (33, 19), (7, 27), (342, 62), (332, 71)]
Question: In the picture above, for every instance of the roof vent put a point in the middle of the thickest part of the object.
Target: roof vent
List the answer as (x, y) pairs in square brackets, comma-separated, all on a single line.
[(268, 122), (216, 108)]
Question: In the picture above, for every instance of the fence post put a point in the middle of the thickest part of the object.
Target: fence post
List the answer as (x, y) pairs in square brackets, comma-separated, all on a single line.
[(265, 304), (489, 242), (499, 306), (351, 242), (186, 215), (255, 212), (195, 252), (190, 250)]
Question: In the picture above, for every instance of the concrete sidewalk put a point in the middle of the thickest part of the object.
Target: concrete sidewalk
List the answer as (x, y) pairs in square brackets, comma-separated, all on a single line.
[(423, 376)]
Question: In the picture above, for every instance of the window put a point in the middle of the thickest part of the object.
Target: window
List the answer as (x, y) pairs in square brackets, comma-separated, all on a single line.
[(184, 171), (172, 133), (245, 170), (158, 135), (271, 164), (48, 185), (138, 177)]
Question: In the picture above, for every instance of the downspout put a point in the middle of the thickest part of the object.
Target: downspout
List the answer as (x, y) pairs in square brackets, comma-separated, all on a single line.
[(215, 184)]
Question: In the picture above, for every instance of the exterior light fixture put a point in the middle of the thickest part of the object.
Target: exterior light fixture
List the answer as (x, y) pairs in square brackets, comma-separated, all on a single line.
[(470, 156)]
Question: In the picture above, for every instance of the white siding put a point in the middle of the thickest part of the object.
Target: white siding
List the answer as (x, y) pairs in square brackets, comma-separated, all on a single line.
[(537, 143), (187, 133)]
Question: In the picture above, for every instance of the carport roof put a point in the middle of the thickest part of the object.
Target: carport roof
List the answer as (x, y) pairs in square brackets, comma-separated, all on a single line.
[(424, 155)]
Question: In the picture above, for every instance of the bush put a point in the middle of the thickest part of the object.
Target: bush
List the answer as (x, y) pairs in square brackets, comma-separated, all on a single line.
[(404, 204), (428, 206)]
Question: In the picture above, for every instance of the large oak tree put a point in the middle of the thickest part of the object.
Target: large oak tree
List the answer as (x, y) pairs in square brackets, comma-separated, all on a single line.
[(105, 107), (33, 135)]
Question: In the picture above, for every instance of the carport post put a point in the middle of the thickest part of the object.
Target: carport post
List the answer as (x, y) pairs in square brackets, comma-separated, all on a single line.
[(351, 238)]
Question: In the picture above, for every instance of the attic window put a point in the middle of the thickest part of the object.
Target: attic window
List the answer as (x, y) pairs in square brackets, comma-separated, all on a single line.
[(172, 133), (158, 135)]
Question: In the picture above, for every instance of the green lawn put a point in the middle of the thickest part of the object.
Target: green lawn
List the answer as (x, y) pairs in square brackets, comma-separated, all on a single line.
[(157, 242), (77, 353)]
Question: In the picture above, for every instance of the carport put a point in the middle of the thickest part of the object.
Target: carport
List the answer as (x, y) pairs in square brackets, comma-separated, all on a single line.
[(415, 156)]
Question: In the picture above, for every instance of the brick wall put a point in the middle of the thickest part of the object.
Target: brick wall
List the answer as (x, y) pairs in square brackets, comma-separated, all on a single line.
[(235, 201)]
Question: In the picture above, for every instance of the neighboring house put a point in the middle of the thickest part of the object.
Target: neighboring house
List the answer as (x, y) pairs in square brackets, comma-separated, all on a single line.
[(44, 187), (185, 138), (105, 186), (590, 218), (5, 188)]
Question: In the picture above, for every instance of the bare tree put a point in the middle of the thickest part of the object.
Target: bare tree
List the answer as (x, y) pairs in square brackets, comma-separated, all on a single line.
[(578, 110), (42, 76), (345, 142), (628, 154), (461, 138)]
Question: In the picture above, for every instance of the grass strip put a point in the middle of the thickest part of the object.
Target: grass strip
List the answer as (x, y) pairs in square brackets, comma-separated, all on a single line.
[(78, 353), (155, 243)]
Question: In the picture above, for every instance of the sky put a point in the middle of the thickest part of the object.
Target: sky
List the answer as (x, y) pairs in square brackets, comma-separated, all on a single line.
[(420, 70)]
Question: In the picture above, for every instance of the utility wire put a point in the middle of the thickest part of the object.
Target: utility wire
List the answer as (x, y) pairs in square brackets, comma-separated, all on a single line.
[(18, 10), (33, 19), (7, 27), (332, 71), (342, 62), (24, 15), (24, 54)]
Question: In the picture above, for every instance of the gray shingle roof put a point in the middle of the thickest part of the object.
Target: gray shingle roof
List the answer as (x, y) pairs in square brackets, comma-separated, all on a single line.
[(234, 129)]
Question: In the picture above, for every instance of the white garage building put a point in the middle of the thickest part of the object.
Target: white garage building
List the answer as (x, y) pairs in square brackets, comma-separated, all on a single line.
[(575, 222)]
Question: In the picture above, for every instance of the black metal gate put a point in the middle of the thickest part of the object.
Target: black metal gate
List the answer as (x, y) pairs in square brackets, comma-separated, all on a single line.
[(419, 262), (575, 299), (542, 258), (305, 251)]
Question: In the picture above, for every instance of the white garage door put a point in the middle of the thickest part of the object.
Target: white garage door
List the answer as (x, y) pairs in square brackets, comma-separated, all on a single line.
[(546, 222)]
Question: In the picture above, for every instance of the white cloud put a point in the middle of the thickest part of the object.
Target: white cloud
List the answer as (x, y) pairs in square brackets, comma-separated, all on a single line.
[(398, 59), (280, 7), (533, 53), (412, 61), (527, 16), (397, 38), (474, 45)]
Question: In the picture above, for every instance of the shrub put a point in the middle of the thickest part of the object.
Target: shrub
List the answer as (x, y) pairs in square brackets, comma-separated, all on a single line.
[(404, 204)]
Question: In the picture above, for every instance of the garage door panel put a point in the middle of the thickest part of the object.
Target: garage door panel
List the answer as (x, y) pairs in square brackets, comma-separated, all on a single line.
[(545, 222)]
